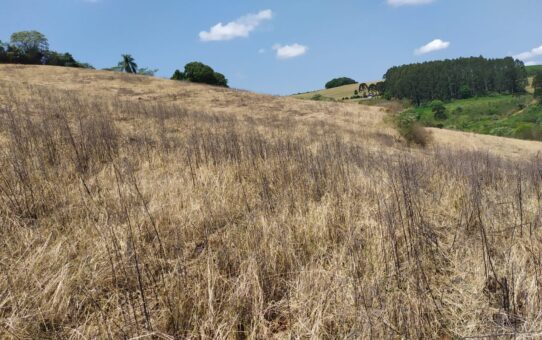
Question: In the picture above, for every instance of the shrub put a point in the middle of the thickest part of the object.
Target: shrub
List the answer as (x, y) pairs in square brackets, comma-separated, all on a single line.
[(528, 131), (439, 110), (410, 129), (502, 131), (318, 97)]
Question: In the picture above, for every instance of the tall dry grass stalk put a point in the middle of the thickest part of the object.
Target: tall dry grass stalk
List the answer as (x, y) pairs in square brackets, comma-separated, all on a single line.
[(123, 219)]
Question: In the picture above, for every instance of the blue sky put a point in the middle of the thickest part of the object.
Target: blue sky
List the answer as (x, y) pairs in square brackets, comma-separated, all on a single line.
[(281, 46)]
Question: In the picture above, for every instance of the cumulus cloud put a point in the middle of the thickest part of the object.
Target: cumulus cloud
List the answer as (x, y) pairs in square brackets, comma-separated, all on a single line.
[(433, 46), (397, 3), (526, 56), (532, 63), (290, 51), (239, 28)]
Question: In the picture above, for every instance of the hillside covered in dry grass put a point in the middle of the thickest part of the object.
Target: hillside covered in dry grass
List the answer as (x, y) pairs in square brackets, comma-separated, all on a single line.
[(137, 207)]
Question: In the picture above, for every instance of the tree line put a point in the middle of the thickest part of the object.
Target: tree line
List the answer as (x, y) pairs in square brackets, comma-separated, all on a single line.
[(32, 48), (455, 79)]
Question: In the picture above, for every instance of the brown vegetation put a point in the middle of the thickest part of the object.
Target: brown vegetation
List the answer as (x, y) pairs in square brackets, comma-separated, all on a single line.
[(125, 217)]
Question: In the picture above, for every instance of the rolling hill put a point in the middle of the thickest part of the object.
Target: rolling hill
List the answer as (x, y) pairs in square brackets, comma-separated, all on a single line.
[(336, 93), (137, 207), (533, 70)]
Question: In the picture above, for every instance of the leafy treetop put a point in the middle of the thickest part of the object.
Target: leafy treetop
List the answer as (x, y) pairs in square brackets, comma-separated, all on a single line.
[(197, 72), (340, 82)]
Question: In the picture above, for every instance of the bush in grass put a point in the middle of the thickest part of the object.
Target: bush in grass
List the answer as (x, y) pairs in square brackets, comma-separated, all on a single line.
[(410, 129), (439, 110), (502, 131), (528, 131)]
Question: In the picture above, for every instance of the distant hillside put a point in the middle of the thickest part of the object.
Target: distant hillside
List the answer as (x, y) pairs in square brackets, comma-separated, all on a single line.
[(533, 70), (336, 93), (513, 116)]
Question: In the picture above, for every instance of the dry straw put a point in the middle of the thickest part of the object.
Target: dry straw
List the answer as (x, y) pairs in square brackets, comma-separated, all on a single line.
[(126, 218)]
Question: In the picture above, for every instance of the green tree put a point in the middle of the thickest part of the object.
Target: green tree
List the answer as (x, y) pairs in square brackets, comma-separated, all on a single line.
[(373, 90), (27, 41), (200, 73), (127, 64), (3, 52), (339, 82), (380, 87), (221, 80), (465, 92), (178, 75), (439, 110), (60, 59), (363, 87)]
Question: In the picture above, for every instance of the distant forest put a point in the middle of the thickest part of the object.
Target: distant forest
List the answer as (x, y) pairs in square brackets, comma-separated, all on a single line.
[(455, 79)]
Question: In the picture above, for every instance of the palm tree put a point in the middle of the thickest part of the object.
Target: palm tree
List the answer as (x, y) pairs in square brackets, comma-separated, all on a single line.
[(128, 64)]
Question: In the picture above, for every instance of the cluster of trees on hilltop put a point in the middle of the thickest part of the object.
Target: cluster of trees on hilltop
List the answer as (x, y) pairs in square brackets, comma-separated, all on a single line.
[(340, 82), (197, 72), (32, 48), (455, 79), (374, 89)]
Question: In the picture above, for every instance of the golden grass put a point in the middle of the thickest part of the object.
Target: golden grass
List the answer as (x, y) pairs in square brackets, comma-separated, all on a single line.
[(138, 207), (337, 93)]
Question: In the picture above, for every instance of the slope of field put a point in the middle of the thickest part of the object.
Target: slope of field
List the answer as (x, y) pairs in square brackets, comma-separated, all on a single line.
[(336, 93), (502, 115), (533, 69), (135, 207)]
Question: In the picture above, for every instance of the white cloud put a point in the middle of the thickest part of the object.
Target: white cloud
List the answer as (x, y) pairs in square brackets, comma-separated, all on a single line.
[(532, 63), (290, 51), (239, 28), (525, 56), (397, 3), (433, 46)]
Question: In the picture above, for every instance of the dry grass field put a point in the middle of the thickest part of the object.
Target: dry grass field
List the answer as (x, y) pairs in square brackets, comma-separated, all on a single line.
[(134, 207)]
